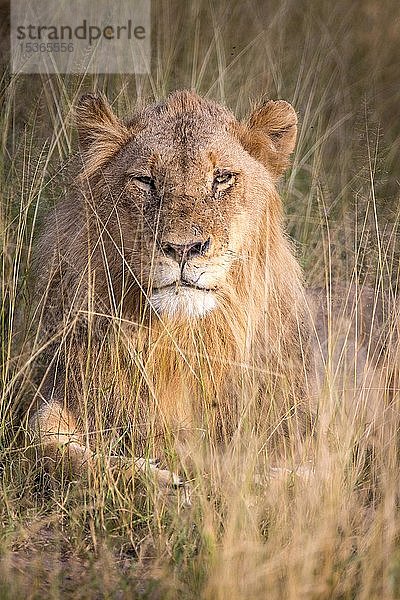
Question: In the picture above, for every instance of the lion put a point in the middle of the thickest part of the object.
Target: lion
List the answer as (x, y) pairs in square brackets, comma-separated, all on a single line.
[(171, 300)]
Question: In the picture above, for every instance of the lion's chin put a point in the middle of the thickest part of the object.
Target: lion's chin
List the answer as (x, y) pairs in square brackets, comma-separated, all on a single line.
[(185, 302)]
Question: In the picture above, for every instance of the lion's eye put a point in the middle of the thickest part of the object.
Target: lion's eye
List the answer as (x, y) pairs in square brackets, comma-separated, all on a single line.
[(143, 182), (223, 180)]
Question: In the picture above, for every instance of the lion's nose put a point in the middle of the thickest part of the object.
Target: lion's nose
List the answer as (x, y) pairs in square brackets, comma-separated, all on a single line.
[(183, 252)]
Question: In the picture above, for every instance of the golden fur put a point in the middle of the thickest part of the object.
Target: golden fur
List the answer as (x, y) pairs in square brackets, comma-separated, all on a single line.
[(171, 296)]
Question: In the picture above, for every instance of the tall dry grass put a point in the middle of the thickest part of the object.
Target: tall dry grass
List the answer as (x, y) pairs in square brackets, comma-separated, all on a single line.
[(332, 535)]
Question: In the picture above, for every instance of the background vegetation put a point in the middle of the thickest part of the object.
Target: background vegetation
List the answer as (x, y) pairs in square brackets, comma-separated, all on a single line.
[(334, 536)]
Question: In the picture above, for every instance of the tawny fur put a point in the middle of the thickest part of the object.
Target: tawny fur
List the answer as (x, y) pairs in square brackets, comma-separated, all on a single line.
[(113, 363)]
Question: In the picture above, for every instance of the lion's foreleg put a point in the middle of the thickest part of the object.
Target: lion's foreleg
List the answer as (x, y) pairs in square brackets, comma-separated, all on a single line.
[(56, 438), (55, 435)]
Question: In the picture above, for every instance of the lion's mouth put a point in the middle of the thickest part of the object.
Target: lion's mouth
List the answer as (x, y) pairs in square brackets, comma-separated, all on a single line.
[(183, 284), (183, 299)]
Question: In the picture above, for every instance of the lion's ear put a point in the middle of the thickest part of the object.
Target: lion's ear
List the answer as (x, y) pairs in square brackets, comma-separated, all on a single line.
[(98, 127), (270, 135)]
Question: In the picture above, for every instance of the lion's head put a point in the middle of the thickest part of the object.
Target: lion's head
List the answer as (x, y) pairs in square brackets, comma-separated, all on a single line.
[(182, 195)]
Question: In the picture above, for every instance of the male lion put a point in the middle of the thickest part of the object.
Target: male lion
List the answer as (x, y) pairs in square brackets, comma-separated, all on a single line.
[(172, 303)]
